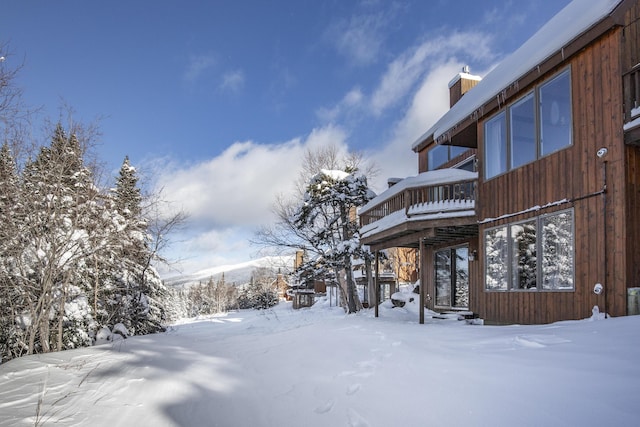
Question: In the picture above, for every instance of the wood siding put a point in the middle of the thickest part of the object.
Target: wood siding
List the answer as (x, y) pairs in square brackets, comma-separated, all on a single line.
[(630, 59), (570, 178), (633, 215), (630, 63)]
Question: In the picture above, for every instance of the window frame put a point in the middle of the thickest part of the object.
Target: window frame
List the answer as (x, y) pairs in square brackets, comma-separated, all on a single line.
[(506, 113), (510, 286)]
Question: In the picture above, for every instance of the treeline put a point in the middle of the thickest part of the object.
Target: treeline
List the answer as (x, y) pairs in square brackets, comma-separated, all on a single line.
[(73, 257), (217, 297)]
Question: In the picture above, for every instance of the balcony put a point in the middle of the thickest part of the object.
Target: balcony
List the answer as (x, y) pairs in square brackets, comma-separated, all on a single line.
[(437, 206)]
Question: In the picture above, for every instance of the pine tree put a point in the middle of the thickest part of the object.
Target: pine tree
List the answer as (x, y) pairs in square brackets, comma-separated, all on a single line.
[(144, 295), (11, 299)]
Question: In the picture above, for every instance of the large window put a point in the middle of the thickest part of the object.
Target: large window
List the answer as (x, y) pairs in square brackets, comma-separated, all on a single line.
[(555, 114), (557, 255), (511, 254), (523, 132), (495, 146)]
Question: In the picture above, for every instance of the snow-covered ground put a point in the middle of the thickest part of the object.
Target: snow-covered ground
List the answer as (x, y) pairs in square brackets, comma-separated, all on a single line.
[(320, 367)]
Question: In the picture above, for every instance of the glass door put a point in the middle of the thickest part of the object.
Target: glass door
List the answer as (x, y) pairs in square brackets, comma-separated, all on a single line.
[(452, 277)]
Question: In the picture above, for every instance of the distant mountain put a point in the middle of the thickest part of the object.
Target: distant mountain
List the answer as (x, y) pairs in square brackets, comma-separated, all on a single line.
[(236, 273)]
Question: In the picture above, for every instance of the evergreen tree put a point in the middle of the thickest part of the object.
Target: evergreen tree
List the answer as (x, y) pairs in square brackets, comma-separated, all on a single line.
[(143, 296), (11, 300)]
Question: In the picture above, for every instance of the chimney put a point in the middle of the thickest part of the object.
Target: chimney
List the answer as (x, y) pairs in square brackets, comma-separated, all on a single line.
[(461, 84), (393, 181)]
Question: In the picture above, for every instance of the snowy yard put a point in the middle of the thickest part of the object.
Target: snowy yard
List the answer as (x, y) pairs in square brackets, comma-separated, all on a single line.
[(320, 367)]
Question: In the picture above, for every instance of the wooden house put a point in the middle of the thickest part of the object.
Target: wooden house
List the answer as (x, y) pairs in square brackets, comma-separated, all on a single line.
[(304, 291), (526, 206)]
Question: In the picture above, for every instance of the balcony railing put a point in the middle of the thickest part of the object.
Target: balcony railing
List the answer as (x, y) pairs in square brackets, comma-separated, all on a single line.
[(422, 199)]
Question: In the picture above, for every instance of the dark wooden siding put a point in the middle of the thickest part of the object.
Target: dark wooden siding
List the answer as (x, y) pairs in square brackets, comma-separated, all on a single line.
[(630, 63), (572, 178), (630, 58), (633, 215), (423, 160)]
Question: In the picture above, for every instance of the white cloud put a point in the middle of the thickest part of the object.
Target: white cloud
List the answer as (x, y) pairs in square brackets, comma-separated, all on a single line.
[(350, 101), (429, 102), (404, 74), (360, 38), (405, 71), (229, 196), (197, 65), (233, 80)]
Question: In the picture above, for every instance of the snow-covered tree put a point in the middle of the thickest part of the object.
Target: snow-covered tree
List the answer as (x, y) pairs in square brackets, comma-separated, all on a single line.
[(62, 227), (261, 292), (328, 221), (496, 258), (139, 296), (11, 294), (557, 251)]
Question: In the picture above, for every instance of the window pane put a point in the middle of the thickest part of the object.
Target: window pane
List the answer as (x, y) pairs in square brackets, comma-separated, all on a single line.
[(456, 151), (523, 132), (524, 262), (555, 114), (495, 241), (495, 146), (557, 251), (438, 156), (461, 288), (443, 278), (468, 165)]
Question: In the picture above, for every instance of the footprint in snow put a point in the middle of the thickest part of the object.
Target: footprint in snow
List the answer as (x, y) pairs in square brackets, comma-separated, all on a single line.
[(326, 407), (353, 389), (356, 420)]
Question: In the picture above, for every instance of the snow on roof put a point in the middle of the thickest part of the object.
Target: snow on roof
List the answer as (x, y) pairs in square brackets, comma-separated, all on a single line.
[(577, 17), (423, 212), (465, 76), (436, 177), (632, 124)]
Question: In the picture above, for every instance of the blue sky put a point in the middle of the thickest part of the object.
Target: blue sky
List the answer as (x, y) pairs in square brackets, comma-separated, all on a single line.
[(216, 101)]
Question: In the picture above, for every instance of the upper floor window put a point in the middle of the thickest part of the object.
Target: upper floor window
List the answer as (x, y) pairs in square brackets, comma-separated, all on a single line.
[(441, 154), (555, 114), (537, 124)]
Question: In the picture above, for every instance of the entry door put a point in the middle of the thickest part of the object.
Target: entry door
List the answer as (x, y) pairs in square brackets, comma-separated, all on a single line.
[(452, 277)]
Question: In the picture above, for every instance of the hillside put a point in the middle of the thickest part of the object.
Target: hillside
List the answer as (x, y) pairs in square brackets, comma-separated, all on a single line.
[(236, 273)]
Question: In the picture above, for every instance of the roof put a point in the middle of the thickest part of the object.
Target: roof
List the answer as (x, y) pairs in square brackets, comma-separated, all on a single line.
[(572, 21)]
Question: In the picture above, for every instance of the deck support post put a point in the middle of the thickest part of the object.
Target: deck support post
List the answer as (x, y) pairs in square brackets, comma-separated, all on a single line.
[(376, 284), (423, 283)]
